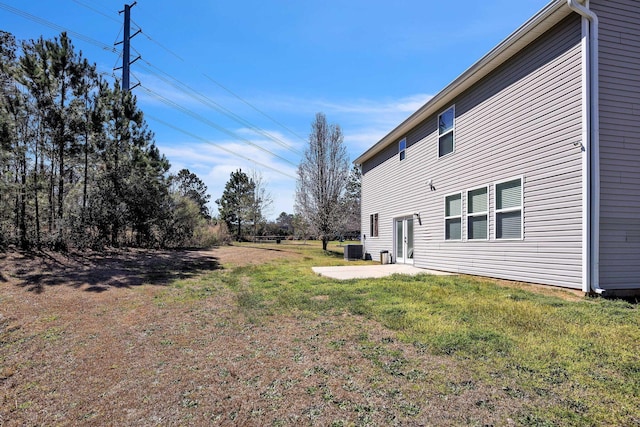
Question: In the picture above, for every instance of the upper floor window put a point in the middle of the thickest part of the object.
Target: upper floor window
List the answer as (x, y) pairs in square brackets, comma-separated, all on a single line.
[(509, 209), (477, 214), (446, 125), (402, 148), (453, 217)]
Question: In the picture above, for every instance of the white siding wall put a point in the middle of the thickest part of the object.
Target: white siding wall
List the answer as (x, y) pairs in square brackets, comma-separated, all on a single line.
[(619, 142), (522, 120)]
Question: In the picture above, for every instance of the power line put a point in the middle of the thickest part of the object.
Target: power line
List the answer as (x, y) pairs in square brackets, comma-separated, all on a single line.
[(255, 108), (218, 146), (56, 27), (181, 86), (207, 101), (226, 89), (192, 93), (211, 124), (97, 11), (157, 43)]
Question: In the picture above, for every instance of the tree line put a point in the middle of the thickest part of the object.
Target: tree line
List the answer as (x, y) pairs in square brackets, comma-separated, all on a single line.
[(327, 199), (79, 167), (246, 201), (78, 164)]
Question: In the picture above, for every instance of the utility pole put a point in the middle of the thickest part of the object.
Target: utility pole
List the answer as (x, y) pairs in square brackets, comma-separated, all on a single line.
[(126, 48)]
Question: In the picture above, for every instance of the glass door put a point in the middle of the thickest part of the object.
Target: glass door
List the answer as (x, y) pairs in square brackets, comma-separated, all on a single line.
[(404, 240), (399, 241)]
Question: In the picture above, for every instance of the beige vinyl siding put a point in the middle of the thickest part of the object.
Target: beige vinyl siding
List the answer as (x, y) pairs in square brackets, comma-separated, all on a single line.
[(396, 201), (519, 121), (619, 142)]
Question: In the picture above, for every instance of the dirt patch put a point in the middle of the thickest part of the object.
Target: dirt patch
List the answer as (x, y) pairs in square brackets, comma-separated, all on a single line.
[(139, 352), (231, 256), (99, 271)]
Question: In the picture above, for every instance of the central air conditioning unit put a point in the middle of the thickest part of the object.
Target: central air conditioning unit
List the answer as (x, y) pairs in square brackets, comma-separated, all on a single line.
[(352, 252)]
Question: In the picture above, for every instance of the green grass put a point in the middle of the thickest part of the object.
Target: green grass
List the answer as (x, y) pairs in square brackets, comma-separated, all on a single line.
[(582, 357)]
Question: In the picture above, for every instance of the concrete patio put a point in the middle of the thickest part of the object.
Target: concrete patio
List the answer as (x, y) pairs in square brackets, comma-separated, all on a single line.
[(347, 272)]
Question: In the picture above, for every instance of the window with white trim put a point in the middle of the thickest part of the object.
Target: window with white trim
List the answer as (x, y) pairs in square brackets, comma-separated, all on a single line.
[(402, 148), (509, 209), (478, 214), (446, 125), (453, 217), (373, 225)]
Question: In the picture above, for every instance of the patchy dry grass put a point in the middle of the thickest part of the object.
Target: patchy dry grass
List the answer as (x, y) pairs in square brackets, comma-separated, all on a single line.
[(248, 335)]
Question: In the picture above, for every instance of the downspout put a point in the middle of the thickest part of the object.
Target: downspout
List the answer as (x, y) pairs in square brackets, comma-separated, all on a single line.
[(592, 146)]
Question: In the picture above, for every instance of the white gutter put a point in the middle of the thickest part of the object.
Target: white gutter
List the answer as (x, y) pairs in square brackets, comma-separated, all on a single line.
[(592, 284)]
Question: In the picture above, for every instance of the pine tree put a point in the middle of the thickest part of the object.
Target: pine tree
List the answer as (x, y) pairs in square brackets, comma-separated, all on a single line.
[(82, 159), (54, 74), (236, 202), (131, 185), (189, 185), (7, 86)]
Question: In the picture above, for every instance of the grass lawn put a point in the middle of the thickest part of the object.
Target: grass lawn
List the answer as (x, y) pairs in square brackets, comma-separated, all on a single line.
[(259, 339)]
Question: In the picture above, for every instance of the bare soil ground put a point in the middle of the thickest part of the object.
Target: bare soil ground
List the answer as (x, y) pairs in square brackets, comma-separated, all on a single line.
[(101, 339)]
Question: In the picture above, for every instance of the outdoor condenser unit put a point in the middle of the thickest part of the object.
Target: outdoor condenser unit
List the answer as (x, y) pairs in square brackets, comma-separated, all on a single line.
[(352, 252)]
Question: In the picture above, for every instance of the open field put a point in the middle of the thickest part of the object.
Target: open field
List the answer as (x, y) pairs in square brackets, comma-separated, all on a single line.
[(248, 335)]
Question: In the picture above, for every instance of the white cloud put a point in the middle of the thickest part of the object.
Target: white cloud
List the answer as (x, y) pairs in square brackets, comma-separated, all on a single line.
[(375, 108), (359, 140), (368, 121), (364, 123), (214, 166)]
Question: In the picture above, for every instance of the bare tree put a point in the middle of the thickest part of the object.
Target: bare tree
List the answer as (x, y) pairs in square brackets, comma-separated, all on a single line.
[(301, 228), (262, 200), (322, 178)]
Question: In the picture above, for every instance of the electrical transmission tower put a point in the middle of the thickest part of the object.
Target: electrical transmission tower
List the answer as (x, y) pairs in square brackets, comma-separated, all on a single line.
[(126, 49)]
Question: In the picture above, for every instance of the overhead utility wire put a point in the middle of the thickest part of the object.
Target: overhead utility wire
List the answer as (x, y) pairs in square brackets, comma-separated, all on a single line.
[(229, 91), (218, 146), (211, 124), (90, 40), (212, 104), (228, 112), (205, 100), (60, 28), (255, 108), (188, 112), (157, 43), (56, 27), (120, 53), (112, 49), (97, 11)]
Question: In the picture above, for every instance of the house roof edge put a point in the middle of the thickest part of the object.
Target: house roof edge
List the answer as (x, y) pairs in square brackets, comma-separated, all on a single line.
[(547, 17)]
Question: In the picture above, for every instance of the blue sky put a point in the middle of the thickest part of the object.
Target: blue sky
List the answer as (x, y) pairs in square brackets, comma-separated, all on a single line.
[(255, 73)]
